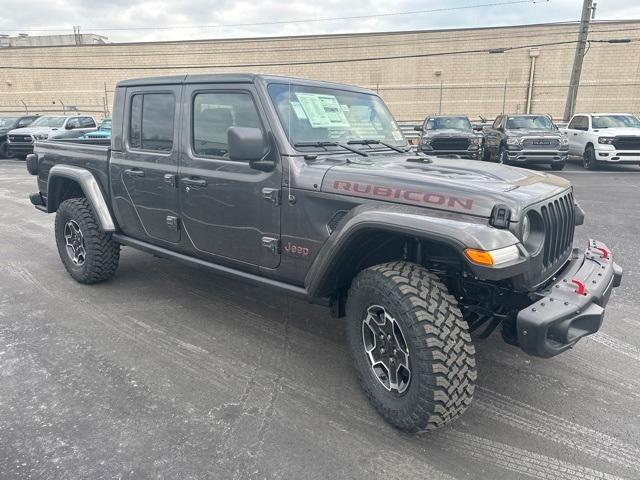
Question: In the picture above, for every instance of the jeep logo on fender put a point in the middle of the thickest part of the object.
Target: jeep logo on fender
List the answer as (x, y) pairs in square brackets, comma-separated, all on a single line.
[(410, 196)]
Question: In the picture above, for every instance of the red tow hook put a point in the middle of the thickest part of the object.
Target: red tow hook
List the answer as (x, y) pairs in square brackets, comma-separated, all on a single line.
[(582, 288), (604, 252)]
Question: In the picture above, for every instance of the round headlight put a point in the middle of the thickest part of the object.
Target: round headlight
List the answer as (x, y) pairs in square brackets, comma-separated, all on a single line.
[(532, 232)]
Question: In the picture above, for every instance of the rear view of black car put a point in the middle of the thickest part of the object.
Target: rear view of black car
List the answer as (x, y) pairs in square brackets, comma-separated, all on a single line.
[(9, 123), (450, 135)]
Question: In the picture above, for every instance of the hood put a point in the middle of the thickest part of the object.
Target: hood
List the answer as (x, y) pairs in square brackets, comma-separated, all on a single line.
[(461, 186), (450, 132), (33, 130), (526, 132), (614, 132)]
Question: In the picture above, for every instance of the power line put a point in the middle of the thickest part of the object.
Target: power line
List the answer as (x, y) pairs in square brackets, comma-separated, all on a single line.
[(426, 42), (312, 62), (283, 22)]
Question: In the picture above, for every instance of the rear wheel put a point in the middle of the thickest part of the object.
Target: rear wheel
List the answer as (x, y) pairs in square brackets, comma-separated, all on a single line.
[(411, 347), (89, 254), (589, 158)]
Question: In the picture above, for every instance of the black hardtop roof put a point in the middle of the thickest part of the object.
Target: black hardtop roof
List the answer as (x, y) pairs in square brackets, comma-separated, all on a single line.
[(235, 78)]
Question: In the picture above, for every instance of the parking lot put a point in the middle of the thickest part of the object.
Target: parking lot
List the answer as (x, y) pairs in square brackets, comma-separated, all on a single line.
[(171, 371)]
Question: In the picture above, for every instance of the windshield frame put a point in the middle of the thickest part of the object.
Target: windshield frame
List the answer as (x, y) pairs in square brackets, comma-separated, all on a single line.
[(617, 116), (552, 126), (335, 90), (50, 117)]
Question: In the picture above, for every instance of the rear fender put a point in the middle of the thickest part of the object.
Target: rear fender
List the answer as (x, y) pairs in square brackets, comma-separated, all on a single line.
[(89, 186), (454, 230)]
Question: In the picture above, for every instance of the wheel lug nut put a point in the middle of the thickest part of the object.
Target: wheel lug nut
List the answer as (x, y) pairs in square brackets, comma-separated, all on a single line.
[(388, 337), (382, 350)]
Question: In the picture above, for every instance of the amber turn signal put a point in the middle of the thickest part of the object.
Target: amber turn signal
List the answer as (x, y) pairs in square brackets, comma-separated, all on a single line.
[(479, 256)]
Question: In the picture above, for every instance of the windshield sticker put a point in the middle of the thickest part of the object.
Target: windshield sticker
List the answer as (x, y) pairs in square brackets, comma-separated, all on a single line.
[(323, 111), (297, 108)]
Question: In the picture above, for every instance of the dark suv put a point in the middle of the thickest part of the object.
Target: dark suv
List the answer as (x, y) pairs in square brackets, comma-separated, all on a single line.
[(309, 188), (9, 123), (450, 135), (526, 139)]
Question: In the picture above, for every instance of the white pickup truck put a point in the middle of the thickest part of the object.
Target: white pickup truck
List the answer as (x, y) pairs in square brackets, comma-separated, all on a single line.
[(604, 138)]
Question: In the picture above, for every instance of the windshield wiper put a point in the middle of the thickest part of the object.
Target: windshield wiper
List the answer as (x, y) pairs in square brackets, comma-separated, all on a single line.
[(330, 144), (376, 142)]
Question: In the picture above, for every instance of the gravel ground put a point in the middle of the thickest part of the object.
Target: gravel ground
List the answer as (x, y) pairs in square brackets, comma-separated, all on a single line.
[(168, 371)]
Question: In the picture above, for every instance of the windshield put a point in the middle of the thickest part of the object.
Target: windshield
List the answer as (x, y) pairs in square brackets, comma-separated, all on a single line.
[(317, 114), (454, 123), (6, 122), (105, 125), (534, 122), (49, 122), (615, 121)]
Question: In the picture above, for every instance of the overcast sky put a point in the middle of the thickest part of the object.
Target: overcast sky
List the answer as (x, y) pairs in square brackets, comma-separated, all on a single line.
[(106, 17)]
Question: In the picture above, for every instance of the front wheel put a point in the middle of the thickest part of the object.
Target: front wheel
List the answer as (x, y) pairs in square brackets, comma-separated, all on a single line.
[(589, 159), (89, 254), (557, 166), (4, 150), (410, 345), (502, 156)]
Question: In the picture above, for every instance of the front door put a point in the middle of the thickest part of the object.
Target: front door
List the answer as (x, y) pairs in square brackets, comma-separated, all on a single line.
[(144, 173), (229, 211)]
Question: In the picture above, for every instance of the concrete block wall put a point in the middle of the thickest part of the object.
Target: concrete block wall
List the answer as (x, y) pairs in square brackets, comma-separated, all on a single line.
[(471, 83)]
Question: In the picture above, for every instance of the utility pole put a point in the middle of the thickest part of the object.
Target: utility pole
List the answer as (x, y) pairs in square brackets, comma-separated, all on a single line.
[(588, 12)]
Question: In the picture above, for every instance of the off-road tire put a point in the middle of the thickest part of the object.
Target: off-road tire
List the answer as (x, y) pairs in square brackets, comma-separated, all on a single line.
[(589, 161), (557, 166), (441, 352), (102, 252)]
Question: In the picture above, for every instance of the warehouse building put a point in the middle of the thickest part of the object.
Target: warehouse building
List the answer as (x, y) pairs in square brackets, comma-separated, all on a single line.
[(480, 72)]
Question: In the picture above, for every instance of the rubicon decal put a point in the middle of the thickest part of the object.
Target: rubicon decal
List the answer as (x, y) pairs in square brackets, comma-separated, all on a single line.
[(409, 196)]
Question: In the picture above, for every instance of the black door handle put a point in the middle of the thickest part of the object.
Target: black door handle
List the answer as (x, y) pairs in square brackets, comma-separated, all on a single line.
[(575, 134), (134, 172), (194, 182)]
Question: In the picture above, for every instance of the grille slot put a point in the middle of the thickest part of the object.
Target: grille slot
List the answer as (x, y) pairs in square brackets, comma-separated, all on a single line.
[(540, 143), (559, 224), (20, 138), (453, 143), (627, 143)]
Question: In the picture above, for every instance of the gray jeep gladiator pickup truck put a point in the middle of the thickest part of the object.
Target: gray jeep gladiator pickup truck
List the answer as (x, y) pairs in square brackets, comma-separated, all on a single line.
[(309, 188), (526, 139)]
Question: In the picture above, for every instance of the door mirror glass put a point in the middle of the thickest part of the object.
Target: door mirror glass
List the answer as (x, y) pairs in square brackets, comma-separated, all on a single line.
[(247, 144)]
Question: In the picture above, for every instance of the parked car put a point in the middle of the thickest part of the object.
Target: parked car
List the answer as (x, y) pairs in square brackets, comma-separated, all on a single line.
[(103, 131), (9, 123), (20, 140), (526, 139), (450, 135), (604, 138), (309, 188)]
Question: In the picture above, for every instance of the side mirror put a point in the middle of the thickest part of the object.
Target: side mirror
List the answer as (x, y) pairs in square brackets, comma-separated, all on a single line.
[(418, 128), (249, 145)]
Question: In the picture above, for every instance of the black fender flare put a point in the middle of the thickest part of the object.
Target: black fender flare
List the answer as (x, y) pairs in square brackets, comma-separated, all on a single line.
[(456, 230), (90, 187)]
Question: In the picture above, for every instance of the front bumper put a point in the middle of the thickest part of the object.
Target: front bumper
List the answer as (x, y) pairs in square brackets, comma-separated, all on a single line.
[(20, 148), (537, 156), (618, 156), (469, 154), (562, 315)]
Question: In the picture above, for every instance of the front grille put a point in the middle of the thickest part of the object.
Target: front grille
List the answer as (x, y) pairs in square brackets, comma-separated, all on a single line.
[(453, 143), (559, 224), (20, 138), (627, 143), (540, 143)]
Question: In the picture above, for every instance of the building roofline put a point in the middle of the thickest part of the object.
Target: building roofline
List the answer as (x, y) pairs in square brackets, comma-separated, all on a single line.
[(595, 23)]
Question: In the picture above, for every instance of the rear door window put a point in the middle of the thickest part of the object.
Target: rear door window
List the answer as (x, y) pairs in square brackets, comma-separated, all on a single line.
[(151, 121), (87, 122)]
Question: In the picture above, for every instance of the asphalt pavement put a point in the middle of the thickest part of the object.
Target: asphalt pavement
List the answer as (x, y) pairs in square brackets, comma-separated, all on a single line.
[(171, 372)]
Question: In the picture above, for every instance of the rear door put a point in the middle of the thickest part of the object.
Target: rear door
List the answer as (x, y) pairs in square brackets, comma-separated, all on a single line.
[(230, 211), (144, 172)]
